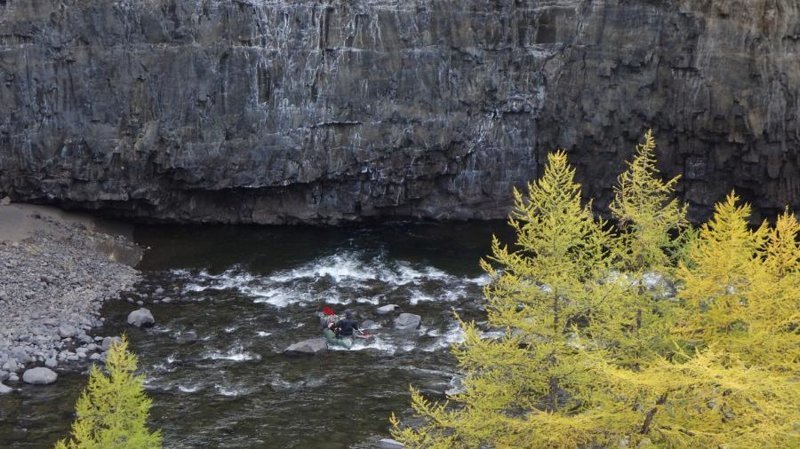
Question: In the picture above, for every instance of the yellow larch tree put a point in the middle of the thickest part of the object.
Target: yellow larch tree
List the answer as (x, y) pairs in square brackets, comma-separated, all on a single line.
[(648, 215), (113, 410), (552, 297), (732, 379)]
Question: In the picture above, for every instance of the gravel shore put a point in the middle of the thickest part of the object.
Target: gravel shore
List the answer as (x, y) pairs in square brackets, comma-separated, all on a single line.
[(56, 270)]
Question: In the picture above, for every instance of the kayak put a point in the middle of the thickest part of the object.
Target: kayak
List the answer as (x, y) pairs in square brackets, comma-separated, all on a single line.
[(333, 340)]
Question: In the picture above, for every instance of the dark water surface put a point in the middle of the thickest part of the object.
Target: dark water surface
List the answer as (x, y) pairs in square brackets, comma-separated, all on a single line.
[(249, 292)]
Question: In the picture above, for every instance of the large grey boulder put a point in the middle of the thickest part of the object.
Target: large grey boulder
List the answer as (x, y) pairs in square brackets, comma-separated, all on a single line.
[(141, 318), (307, 347), (39, 376), (407, 321)]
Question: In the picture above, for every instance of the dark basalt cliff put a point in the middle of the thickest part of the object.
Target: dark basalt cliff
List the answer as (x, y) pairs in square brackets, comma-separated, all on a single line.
[(278, 111)]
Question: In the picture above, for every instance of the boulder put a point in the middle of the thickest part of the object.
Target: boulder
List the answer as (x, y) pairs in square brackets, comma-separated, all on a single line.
[(388, 443), (388, 308), (368, 324), (5, 389), (407, 321), (39, 376), (51, 363), (108, 341), (141, 318), (67, 331), (307, 347)]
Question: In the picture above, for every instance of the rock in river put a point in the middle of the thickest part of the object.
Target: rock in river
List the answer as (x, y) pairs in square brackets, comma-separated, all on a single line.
[(5, 389), (407, 321), (383, 310), (141, 318), (307, 347), (39, 376)]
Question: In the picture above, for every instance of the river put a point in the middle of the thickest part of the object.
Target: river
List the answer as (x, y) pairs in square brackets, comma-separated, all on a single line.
[(213, 363)]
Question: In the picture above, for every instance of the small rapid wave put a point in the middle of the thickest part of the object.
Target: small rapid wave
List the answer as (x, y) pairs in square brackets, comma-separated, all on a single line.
[(236, 354), (349, 277)]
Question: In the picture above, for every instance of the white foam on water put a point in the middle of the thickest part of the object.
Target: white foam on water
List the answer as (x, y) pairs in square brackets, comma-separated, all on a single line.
[(263, 334), (233, 354), (230, 329), (335, 279), (189, 389), (228, 391), (453, 335)]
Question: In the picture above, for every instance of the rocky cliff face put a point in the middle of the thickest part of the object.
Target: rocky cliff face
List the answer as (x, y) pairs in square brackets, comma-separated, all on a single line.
[(276, 111)]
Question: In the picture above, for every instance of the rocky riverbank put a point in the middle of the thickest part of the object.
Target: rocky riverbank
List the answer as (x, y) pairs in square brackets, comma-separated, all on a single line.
[(56, 270)]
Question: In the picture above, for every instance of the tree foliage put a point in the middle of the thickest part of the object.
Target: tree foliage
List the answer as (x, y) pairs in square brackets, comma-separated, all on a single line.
[(590, 358), (647, 212), (113, 410)]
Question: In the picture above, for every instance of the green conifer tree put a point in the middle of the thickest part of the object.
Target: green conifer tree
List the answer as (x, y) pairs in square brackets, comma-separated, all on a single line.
[(113, 410)]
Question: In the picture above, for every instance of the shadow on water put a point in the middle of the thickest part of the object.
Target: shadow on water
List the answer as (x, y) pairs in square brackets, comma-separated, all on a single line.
[(239, 295)]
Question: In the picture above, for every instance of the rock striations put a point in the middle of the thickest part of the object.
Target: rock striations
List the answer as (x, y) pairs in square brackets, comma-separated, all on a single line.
[(323, 111)]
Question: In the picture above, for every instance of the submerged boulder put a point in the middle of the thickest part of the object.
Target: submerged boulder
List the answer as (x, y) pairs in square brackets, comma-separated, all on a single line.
[(39, 376), (307, 347), (141, 318), (407, 321)]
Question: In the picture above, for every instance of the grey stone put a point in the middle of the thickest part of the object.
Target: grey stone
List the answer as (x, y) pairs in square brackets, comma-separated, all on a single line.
[(383, 310), (5, 389), (307, 347), (108, 341), (51, 363), (368, 324), (407, 321), (141, 318), (388, 443), (5, 201), (67, 331), (96, 356), (13, 377), (167, 300), (39, 376)]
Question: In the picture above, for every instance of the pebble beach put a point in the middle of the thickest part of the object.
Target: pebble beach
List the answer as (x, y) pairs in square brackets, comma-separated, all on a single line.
[(56, 270)]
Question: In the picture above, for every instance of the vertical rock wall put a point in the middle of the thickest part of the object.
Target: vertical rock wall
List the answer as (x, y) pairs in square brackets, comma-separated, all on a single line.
[(273, 111)]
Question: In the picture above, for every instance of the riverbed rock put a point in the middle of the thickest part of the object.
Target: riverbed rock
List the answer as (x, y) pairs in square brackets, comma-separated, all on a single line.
[(108, 341), (388, 308), (407, 321), (307, 347), (388, 443), (67, 331), (39, 376), (141, 318), (5, 389), (368, 324)]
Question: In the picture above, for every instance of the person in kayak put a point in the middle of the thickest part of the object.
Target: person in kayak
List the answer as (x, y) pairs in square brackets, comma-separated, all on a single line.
[(346, 326)]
